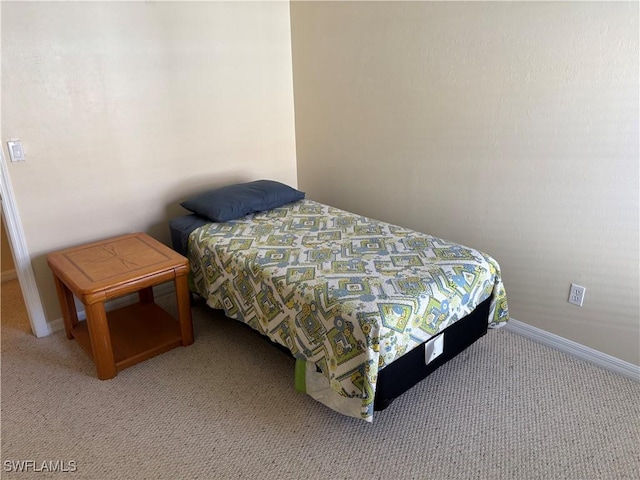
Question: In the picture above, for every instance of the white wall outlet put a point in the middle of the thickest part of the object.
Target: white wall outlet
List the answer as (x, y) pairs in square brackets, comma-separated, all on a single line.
[(16, 153), (576, 294)]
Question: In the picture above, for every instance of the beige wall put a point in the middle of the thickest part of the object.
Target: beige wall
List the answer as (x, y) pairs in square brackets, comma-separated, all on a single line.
[(126, 108), (508, 126)]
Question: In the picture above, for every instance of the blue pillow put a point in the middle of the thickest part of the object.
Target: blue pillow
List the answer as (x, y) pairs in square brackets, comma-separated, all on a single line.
[(235, 201)]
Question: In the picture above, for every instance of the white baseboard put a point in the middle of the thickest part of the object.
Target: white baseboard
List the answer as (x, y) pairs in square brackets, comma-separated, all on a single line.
[(158, 291), (9, 275), (574, 349)]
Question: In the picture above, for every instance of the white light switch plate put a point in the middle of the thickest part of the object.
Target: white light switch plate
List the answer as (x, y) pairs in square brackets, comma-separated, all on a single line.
[(16, 153)]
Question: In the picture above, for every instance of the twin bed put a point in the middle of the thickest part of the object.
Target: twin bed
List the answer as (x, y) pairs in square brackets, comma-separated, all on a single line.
[(367, 309)]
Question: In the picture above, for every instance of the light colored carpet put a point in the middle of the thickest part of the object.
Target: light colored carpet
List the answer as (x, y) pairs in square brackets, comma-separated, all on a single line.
[(225, 408)]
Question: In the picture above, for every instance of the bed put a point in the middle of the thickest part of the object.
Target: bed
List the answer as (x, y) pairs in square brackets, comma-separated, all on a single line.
[(367, 308)]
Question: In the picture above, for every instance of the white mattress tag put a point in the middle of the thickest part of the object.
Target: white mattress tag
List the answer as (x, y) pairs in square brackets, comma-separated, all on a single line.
[(433, 349)]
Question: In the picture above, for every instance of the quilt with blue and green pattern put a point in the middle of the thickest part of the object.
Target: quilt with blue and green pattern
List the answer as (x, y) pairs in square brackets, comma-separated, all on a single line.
[(345, 293)]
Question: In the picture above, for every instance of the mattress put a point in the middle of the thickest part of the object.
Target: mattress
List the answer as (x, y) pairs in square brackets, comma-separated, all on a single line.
[(346, 294), (181, 228)]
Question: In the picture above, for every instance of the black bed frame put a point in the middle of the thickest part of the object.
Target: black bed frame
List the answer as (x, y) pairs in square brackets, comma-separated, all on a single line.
[(406, 371)]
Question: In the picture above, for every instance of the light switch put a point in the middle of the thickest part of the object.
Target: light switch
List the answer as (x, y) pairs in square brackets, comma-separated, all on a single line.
[(15, 151)]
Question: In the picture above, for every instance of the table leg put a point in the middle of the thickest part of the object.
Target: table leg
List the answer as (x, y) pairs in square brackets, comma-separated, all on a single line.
[(100, 340), (67, 305), (184, 309), (146, 295)]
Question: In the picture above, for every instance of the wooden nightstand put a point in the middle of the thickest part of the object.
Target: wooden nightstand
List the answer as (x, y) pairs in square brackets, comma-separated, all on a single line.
[(100, 271)]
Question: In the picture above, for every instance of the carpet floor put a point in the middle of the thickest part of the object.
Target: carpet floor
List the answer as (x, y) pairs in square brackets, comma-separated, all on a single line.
[(225, 408)]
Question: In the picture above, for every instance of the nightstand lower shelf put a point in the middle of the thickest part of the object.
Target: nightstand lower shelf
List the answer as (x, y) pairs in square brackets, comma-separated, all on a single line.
[(138, 332)]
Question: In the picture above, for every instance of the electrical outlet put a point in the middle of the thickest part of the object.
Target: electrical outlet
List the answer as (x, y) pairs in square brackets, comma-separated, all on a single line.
[(576, 294)]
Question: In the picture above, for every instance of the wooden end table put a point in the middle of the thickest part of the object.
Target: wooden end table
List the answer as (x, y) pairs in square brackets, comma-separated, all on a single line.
[(100, 271)]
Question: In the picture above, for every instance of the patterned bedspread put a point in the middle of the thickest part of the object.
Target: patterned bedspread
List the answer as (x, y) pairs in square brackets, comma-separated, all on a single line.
[(345, 293)]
